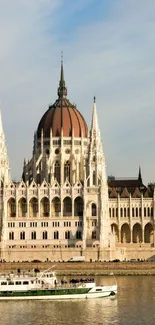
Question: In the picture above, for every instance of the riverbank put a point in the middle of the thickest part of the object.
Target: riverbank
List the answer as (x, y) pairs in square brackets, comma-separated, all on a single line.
[(79, 269)]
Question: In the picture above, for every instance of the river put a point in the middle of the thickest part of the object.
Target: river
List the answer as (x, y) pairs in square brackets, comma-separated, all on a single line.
[(134, 305)]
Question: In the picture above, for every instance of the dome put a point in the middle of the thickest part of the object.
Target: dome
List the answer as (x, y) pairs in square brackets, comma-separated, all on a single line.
[(62, 115)]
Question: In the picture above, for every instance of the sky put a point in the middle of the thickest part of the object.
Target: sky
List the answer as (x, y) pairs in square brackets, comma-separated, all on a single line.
[(109, 51)]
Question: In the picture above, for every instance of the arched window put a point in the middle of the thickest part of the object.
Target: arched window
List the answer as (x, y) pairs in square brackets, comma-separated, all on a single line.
[(113, 213), (22, 235), (128, 212), (151, 212), (67, 171), (11, 235), (44, 235), (78, 235), (136, 212), (125, 212), (144, 212), (110, 212), (57, 171), (24, 206), (116, 212), (78, 207), (93, 234), (148, 212), (13, 207), (140, 212), (56, 235), (35, 205), (33, 235), (93, 210), (67, 234), (133, 212), (94, 178), (38, 179), (121, 212), (44, 207)]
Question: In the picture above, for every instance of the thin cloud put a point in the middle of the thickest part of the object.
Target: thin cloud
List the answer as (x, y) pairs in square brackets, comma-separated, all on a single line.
[(111, 56)]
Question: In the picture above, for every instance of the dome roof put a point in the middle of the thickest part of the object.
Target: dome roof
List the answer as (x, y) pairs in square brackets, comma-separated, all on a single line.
[(62, 115)]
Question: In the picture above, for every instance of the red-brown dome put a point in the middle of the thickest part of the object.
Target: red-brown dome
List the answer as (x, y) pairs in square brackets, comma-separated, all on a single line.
[(62, 115)]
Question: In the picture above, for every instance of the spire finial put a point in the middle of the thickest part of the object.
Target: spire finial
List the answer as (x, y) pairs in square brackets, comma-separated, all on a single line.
[(62, 90), (140, 174), (61, 57), (94, 99)]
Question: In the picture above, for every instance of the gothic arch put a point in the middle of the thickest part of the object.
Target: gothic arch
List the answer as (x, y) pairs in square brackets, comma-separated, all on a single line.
[(57, 171), (22, 235), (44, 235), (67, 206), (67, 234), (78, 206), (33, 207), (11, 207), (137, 233), (56, 234), (56, 207), (67, 170), (125, 233), (44, 207), (148, 233), (22, 208), (93, 210)]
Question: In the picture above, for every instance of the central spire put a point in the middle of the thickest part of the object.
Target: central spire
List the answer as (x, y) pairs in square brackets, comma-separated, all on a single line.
[(62, 90), (94, 124)]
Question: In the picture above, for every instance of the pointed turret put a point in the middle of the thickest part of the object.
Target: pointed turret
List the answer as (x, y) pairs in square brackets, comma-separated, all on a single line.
[(94, 124), (4, 163), (96, 155), (1, 125), (140, 174), (62, 90)]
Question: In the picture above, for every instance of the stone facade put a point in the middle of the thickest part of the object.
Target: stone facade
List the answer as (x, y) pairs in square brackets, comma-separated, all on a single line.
[(61, 207)]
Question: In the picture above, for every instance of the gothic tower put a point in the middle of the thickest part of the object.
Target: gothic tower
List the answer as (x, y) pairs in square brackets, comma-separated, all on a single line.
[(4, 171), (98, 179)]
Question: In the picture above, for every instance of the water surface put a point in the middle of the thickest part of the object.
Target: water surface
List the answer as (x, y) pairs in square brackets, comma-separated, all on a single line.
[(135, 305)]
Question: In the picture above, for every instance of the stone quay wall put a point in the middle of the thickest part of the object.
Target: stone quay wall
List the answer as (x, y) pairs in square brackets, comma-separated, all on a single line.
[(83, 268)]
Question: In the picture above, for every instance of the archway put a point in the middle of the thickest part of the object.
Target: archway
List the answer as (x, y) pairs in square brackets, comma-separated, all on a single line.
[(44, 207), (148, 233), (125, 233), (11, 207), (22, 207), (67, 206), (56, 207), (78, 207), (33, 207), (137, 233)]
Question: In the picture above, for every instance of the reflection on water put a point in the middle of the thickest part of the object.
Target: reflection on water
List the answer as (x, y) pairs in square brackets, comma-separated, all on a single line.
[(95, 311), (134, 305)]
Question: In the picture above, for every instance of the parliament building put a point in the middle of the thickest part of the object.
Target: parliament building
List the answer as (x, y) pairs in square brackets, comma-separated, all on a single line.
[(65, 205)]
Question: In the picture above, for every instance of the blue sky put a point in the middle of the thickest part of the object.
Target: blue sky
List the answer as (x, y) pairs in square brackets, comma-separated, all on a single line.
[(109, 51)]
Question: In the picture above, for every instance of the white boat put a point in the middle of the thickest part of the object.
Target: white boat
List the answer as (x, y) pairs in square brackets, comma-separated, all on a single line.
[(45, 286)]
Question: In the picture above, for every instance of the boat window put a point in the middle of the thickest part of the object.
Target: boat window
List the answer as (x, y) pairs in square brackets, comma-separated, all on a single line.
[(3, 283), (98, 289), (18, 282), (25, 282), (10, 283)]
